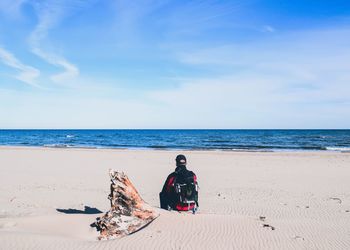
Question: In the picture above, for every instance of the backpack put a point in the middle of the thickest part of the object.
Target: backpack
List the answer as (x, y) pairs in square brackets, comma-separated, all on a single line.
[(186, 189)]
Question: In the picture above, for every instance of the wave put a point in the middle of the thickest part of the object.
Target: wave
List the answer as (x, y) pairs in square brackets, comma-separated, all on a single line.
[(342, 149), (245, 148), (70, 146), (218, 141), (57, 146), (265, 147), (158, 147)]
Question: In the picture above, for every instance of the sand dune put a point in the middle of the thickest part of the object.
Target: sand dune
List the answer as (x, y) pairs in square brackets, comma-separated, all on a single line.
[(247, 200)]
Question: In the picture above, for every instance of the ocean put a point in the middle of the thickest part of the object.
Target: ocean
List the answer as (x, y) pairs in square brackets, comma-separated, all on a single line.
[(245, 140)]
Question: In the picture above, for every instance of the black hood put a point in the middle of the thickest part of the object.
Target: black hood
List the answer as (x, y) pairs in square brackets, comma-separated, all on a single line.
[(180, 168)]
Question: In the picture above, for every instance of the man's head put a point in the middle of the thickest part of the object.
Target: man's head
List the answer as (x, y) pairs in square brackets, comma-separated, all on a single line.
[(181, 160)]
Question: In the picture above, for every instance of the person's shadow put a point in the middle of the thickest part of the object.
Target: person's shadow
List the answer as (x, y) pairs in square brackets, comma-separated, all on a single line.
[(87, 210)]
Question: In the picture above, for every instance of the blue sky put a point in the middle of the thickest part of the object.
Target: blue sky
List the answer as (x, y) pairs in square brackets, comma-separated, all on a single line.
[(174, 64)]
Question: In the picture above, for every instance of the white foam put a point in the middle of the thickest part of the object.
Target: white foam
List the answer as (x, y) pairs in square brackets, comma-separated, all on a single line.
[(342, 149)]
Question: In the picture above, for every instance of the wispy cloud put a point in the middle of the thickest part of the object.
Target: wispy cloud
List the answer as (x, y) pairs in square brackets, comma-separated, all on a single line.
[(298, 79), (253, 101), (308, 54), (208, 20), (268, 28), (11, 7), (130, 16), (70, 70), (27, 74), (50, 14)]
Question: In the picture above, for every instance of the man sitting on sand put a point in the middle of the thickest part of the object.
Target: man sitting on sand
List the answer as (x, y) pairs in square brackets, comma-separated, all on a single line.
[(180, 190)]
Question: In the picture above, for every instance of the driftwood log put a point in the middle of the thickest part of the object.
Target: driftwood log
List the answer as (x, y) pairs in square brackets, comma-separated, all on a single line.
[(129, 212)]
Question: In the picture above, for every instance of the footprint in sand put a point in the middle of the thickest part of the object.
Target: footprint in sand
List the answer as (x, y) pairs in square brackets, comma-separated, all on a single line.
[(263, 218), (269, 226), (336, 199), (297, 237)]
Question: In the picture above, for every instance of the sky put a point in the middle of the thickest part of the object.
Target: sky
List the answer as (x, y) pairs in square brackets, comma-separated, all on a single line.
[(175, 64)]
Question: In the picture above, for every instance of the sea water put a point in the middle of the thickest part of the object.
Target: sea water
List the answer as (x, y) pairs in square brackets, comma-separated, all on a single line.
[(246, 140)]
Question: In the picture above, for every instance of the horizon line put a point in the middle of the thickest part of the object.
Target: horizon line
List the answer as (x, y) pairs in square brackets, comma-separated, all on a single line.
[(174, 129)]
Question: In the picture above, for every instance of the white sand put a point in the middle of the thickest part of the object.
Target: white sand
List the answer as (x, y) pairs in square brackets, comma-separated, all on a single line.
[(304, 196)]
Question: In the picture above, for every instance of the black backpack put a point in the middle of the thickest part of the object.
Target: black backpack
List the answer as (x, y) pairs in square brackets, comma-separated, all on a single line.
[(186, 189)]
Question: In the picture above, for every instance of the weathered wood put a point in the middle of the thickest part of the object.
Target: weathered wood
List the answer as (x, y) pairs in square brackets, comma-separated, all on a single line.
[(129, 212)]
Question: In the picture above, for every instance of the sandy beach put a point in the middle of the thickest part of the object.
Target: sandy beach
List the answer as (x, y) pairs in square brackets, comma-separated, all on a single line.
[(248, 200)]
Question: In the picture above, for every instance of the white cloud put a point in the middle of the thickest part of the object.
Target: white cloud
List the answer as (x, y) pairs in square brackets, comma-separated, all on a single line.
[(70, 70), (50, 13), (253, 101), (268, 28), (310, 55), (295, 80), (27, 74), (195, 17), (84, 111), (11, 7)]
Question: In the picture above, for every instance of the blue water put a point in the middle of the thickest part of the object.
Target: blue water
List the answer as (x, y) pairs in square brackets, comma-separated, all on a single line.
[(254, 140)]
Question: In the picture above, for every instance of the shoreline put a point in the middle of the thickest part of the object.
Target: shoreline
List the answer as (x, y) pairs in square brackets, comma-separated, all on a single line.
[(175, 149)]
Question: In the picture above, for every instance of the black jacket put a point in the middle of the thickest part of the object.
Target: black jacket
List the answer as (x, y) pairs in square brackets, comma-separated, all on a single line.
[(168, 196)]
